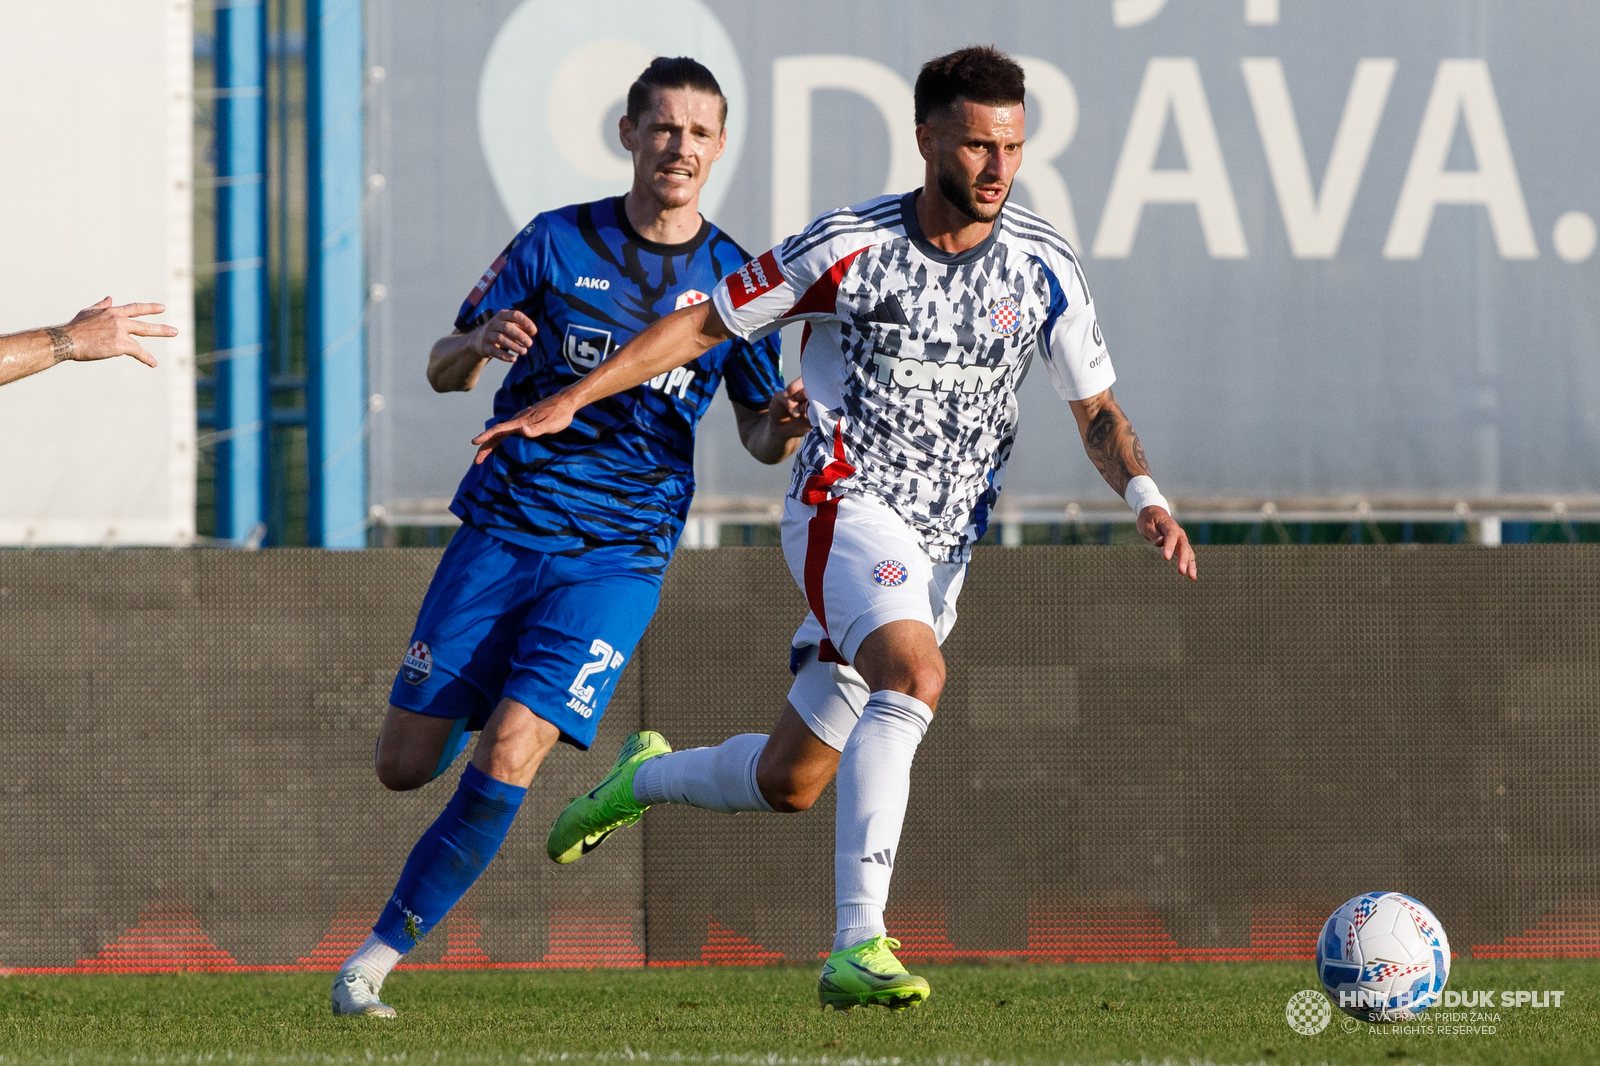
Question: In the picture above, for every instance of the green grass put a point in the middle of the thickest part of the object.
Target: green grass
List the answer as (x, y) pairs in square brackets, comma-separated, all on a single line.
[(1204, 1013)]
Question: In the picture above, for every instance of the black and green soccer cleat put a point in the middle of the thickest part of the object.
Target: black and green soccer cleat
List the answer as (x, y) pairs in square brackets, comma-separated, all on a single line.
[(609, 806), (869, 974)]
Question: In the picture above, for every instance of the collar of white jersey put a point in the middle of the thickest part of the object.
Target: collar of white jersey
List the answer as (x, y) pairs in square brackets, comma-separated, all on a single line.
[(908, 215)]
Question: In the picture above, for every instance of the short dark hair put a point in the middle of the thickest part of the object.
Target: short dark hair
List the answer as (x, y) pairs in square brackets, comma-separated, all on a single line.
[(677, 72), (982, 74)]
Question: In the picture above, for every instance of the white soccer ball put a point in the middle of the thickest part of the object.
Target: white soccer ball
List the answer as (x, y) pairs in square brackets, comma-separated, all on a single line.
[(1383, 957)]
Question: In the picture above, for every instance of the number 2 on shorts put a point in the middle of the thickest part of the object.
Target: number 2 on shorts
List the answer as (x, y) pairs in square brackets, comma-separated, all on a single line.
[(607, 659)]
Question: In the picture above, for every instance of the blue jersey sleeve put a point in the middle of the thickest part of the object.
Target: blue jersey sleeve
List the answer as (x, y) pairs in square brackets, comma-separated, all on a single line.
[(754, 372), (512, 281)]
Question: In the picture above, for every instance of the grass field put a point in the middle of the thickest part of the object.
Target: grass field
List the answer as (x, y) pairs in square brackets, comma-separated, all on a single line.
[(1182, 1013)]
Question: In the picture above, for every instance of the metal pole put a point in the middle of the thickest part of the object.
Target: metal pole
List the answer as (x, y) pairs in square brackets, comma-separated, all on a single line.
[(241, 298), (336, 294), (282, 351)]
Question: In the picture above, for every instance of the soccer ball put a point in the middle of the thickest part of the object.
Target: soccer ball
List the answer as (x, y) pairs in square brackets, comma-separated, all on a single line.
[(1383, 957)]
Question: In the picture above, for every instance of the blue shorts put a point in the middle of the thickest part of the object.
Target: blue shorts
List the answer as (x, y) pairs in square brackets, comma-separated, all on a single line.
[(503, 621)]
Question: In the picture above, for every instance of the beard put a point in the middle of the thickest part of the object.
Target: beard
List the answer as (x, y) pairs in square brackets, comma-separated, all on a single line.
[(958, 190)]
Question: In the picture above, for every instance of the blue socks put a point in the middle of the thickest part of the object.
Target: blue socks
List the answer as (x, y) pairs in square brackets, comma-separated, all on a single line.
[(449, 857)]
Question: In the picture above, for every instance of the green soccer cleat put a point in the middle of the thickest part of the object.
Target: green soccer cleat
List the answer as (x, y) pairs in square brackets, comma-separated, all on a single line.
[(869, 974), (609, 806)]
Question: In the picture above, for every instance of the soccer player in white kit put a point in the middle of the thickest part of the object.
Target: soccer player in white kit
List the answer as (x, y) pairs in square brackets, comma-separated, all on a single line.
[(923, 311)]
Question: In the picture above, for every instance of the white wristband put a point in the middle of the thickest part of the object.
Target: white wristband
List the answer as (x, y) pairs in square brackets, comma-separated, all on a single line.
[(1142, 493)]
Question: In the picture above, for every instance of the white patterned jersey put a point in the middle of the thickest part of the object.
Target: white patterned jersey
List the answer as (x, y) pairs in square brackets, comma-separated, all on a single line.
[(913, 356)]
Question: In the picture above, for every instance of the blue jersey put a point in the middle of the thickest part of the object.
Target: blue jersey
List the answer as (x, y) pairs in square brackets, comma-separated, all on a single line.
[(614, 486)]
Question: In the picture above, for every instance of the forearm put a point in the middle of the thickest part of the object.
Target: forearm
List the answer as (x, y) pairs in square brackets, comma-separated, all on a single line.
[(33, 350), (1114, 448), (1110, 442), (454, 364), (765, 443), (667, 343)]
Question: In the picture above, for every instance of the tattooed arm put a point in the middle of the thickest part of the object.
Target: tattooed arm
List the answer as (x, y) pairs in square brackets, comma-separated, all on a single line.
[(97, 332), (1109, 439), (1115, 450)]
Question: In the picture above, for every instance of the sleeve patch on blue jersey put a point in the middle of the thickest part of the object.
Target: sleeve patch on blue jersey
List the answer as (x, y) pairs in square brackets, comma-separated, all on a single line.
[(475, 297), (417, 666)]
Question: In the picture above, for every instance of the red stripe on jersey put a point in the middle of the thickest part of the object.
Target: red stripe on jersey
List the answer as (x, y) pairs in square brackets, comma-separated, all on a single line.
[(819, 544), (817, 486), (475, 297), (823, 296), (754, 278)]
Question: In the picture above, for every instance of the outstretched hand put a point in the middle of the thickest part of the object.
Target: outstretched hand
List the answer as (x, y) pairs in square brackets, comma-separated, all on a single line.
[(103, 331), (550, 415), (1161, 529)]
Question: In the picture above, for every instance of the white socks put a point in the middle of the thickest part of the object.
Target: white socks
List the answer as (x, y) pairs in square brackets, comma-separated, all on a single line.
[(375, 957), (874, 784), (722, 778)]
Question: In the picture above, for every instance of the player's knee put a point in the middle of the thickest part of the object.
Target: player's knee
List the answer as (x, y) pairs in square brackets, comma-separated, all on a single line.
[(911, 669), (793, 802), (923, 680), (784, 792), (399, 776), (401, 779)]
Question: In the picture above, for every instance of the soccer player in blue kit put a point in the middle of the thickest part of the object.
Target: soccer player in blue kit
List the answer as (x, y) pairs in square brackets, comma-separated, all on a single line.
[(557, 567)]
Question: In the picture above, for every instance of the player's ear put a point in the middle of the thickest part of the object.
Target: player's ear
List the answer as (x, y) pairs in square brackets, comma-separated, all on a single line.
[(722, 142), (925, 141), (627, 134)]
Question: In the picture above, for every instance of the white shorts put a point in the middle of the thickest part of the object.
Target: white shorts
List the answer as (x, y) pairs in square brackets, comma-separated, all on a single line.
[(860, 567)]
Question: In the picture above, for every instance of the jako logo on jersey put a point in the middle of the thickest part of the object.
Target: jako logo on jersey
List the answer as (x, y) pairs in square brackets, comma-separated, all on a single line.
[(1005, 317), (594, 283), (586, 348), (689, 299), (937, 377), (754, 278), (890, 572), (417, 666)]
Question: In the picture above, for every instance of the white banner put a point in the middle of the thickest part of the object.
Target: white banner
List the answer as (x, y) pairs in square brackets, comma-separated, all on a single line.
[(96, 114), (1341, 250)]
